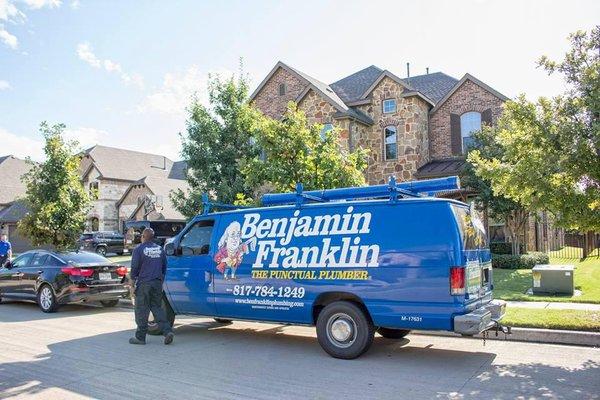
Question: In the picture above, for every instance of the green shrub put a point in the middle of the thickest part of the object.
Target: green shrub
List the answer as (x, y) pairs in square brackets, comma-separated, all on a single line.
[(504, 248), (523, 261)]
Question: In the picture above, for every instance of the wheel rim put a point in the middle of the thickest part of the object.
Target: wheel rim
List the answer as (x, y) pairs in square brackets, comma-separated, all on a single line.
[(341, 330), (46, 298)]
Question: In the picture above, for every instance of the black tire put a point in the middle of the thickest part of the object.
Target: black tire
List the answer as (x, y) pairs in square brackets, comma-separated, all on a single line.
[(222, 320), (390, 333), (109, 303), (46, 299), (101, 250), (120, 253), (343, 318), (153, 328)]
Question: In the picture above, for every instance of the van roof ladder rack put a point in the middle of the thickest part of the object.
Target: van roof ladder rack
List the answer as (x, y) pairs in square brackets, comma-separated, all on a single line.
[(208, 205), (392, 190)]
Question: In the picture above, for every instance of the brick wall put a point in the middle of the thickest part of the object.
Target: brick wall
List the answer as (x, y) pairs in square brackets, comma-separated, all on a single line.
[(268, 99), (469, 97)]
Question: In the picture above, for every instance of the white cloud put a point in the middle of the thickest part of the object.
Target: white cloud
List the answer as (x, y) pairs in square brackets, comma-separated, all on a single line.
[(85, 53), (37, 4), (85, 136), (21, 146), (8, 39), (9, 12), (177, 90), (75, 4), (4, 85)]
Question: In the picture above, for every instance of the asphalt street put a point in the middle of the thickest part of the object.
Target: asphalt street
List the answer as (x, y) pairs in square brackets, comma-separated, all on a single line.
[(82, 352)]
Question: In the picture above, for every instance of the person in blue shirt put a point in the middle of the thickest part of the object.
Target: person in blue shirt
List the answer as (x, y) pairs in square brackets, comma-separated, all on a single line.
[(148, 268), (5, 250)]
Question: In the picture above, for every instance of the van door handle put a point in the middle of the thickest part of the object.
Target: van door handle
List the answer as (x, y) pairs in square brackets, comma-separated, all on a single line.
[(40, 271)]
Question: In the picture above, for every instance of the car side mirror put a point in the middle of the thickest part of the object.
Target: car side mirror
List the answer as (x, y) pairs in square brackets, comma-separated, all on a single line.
[(8, 265), (170, 249)]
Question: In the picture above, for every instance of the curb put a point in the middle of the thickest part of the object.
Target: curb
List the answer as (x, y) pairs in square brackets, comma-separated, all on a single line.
[(552, 336)]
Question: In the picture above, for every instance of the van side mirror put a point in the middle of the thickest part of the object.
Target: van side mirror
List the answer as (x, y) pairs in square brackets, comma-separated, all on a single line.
[(170, 249)]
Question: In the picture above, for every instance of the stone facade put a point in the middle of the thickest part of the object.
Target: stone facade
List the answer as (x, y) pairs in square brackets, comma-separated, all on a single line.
[(270, 102), (410, 121), (104, 207), (468, 97), (130, 202), (319, 111)]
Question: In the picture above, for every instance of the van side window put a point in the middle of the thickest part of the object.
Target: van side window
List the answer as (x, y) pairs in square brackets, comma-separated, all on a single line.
[(196, 240)]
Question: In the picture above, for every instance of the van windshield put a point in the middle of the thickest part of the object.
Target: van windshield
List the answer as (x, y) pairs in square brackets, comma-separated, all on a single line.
[(472, 230)]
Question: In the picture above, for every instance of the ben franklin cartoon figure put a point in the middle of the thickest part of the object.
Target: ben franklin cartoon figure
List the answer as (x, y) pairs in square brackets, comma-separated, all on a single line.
[(232, 250)]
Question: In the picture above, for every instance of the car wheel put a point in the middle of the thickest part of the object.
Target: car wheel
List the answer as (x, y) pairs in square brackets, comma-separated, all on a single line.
[(153, 328), (120, 253), (390, 333), (222, 320), (109, 303), (46, 299), (101, 250), (344, 330)]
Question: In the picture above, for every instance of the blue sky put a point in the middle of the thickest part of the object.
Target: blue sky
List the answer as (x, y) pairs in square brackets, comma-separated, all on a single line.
[(120, 73)]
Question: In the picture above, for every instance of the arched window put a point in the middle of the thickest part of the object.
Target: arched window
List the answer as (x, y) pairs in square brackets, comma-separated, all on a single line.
[(282, 89), (390, 139), (326, 128), (469, 122), (95, 224)]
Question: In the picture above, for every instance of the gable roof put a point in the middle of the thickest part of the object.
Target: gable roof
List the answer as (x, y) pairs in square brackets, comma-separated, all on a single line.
[(160, 187), (434, 85), (351, 88), (128, 165), (468, 77), (14, 212), (11, 171)]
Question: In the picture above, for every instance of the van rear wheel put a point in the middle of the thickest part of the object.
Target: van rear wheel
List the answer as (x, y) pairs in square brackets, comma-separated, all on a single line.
[(344, 330), (153, 328), (390, 333)]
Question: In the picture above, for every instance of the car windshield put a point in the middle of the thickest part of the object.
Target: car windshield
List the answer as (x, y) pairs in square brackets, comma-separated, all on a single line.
[(82, 257)]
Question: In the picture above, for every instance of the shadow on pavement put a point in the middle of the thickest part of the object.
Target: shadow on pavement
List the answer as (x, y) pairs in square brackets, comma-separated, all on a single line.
[(213, 360), (23, 311)]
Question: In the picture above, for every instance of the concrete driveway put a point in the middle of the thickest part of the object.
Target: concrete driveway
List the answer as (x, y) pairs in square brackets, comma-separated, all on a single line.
[(82, 352)]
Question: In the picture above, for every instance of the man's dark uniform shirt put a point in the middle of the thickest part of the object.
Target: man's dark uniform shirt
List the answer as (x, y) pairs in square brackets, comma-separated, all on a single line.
[(148, 262)]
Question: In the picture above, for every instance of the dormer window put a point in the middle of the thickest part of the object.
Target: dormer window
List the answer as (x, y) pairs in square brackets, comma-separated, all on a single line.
[(389, 106), (282, 89)]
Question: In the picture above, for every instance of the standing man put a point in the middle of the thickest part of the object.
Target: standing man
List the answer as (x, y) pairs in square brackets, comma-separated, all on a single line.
[(5, 249), (148, 268)]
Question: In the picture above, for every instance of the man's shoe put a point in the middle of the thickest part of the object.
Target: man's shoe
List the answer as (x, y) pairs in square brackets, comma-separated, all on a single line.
[(169, 338), (135, 340)]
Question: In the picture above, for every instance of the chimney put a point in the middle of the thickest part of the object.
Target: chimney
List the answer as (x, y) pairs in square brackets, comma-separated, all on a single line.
[(408, 70), (427, 70)]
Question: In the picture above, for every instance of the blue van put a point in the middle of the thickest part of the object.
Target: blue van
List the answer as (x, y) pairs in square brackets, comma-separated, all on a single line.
[(352, 262)]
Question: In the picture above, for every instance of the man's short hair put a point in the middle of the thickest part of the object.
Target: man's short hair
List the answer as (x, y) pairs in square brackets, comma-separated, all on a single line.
[(3, 235), (148, 233)]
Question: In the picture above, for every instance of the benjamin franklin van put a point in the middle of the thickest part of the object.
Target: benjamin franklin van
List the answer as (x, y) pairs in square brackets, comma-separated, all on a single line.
[(352, 262)]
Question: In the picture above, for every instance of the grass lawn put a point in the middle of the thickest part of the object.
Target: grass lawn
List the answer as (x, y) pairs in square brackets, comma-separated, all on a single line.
[(511, 284), (553, 319)]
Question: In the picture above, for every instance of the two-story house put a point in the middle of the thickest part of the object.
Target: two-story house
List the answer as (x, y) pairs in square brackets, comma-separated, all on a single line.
[(415, 127)]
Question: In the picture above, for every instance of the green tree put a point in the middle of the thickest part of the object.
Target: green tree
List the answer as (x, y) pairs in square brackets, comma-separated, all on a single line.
[(217, 140), (550, 150), (498, 207), (57, 201), (295, 151)]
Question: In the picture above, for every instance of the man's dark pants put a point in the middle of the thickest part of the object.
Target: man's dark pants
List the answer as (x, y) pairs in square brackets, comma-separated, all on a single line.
[(148, 297), (3, 259)]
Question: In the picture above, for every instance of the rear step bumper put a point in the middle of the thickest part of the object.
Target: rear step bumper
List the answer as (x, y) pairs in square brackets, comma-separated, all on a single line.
[(482, 319)]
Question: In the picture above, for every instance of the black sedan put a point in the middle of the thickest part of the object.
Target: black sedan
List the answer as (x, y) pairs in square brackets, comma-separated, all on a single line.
[(56, 278)]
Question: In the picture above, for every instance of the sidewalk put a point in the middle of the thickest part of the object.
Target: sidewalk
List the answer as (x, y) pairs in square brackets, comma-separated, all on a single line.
[(554, 305)]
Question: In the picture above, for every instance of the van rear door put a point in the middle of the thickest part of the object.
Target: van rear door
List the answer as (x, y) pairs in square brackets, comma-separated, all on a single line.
[(476, 254)]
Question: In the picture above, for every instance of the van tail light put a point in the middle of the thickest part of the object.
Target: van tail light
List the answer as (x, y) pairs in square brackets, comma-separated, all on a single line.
[(457, 281), (76, 271), (121, 270)]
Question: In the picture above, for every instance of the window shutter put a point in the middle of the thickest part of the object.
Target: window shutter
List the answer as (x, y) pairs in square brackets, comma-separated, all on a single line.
[(455, 138), (486, 117)]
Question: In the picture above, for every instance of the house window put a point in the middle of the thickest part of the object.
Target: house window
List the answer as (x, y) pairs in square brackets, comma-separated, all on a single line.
[(282, 89), (326, 128), (391, 150), (93, 187), (469, 122), (389, 106)]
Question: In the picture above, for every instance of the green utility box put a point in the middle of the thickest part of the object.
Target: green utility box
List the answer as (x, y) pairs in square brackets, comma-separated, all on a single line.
[(553, 279)]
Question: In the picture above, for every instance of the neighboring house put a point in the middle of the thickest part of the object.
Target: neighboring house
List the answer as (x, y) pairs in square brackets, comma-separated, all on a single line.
[(416, 127), (149, 199), (11, 208), (119, 177)]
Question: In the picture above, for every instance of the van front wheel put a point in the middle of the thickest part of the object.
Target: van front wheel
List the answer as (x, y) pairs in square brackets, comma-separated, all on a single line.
[(389, 333), (344, 331)]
